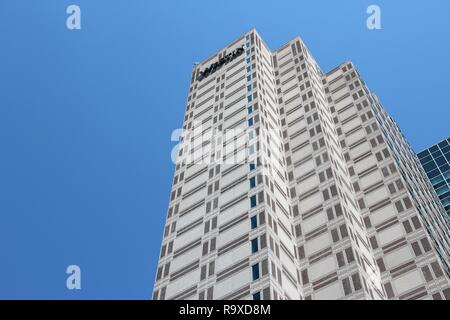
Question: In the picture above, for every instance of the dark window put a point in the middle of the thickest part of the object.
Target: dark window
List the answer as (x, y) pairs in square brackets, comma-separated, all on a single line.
[(425, 244), (427, 274), (254, 222), (349, 254), (253, 201), (257, 296), (255, 272), (437, 269), (347, 287), (407, 226), (255, 245), (356, 282), (252, 182), (416, 249), (340, 259)]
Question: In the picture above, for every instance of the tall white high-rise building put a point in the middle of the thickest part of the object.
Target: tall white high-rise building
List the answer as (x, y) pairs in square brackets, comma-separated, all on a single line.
[(292, 183)]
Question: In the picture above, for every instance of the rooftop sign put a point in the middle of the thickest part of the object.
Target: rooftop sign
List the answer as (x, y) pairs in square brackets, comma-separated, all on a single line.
[(222, 61)]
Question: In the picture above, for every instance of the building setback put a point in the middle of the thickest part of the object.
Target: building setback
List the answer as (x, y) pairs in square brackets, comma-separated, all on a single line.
[(436, 162), (292, 183)]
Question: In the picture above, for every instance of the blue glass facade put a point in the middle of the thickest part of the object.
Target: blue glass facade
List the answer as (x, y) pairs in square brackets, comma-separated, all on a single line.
[(436, 162)]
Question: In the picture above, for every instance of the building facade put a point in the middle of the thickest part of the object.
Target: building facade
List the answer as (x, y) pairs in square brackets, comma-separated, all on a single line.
[(436, 163), (292, 183)]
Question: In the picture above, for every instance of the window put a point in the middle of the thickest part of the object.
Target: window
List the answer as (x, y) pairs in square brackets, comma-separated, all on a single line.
[(335, 235), (251, 149), (252, 166), (249, 88), (441, 161), (250, 110), (257, 296), (437, 180), (430, 166), (447, 175), (340, 259), (392, 189), (427, 274), (437, 269), (254, 245), (435, 151), (399, 207), (416, 222), (434, 173), (252, 182), (407, 226), (408, 203), (426, 159), (356, 282), (423, 154), (250, 122), (254, 222), (416, 249), (255, 272), (425, 244), (249, 98), (347, 287), (447, 156), (362, 204), (252, 201), (442, 190)]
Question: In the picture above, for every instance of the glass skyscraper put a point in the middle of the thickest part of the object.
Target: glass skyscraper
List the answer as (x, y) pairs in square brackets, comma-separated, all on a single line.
[(436, 162)]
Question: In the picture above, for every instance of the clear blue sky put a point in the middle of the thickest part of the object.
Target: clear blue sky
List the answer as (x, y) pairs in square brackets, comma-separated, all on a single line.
[(86, 117)]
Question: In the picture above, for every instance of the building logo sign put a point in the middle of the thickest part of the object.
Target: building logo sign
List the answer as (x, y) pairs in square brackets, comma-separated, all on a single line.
[(222, 61)]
